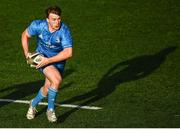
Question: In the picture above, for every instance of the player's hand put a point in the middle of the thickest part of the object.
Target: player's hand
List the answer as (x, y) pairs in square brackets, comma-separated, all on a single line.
[(27, 55), (44, 61)]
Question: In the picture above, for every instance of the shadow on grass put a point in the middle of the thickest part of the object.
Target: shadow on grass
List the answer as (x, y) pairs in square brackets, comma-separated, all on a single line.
[(20, 91), (129, 70)]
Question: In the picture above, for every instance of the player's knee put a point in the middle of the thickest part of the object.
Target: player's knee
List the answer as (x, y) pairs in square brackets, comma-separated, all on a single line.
[(56, 81)]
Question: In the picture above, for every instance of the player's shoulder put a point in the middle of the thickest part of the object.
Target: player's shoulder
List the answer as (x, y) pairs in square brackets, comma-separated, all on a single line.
[(39, 23)]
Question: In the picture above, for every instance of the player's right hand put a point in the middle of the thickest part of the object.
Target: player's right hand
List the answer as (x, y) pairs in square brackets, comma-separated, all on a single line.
[(28, 55)]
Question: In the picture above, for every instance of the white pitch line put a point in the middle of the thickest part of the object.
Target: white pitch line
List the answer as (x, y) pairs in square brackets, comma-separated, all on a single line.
[(59, 105)]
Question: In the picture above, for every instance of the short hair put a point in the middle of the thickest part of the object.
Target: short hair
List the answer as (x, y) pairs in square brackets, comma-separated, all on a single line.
[(53, 9)]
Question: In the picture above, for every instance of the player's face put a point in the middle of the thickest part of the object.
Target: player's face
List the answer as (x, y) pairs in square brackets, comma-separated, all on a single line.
[(54, 22)]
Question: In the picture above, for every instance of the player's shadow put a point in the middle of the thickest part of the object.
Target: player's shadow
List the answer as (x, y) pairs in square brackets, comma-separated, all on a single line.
[(20, 91), (126, 71)]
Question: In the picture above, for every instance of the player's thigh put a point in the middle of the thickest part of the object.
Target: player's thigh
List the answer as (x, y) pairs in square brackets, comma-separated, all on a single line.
[(52, 74)]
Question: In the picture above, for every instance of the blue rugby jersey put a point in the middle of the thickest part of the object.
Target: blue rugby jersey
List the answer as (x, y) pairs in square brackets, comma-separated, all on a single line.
[(50, 44)]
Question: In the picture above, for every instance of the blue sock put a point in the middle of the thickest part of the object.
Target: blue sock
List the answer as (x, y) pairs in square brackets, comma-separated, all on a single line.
[(51, 98), (38, 98)]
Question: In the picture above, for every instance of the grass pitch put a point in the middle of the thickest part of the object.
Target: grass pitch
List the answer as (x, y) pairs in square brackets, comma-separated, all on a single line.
[(126, 60)]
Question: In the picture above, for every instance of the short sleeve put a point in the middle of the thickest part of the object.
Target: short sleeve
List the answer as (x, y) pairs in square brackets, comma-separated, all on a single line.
[(67, 38), (34, 28)]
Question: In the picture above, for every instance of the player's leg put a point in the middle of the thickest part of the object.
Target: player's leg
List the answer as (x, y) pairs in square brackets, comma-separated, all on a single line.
[(41, 94), (54, 76), (34, 102), (46, 86)]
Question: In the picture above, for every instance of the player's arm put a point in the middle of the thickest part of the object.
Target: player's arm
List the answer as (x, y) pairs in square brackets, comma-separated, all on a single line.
[(63, 55), (25, 45)]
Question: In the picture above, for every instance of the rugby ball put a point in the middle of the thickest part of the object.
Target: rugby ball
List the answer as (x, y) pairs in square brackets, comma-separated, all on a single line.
[(34, 58)]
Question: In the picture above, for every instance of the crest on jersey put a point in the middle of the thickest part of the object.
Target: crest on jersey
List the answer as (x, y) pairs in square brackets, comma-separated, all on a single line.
[(58, 40)]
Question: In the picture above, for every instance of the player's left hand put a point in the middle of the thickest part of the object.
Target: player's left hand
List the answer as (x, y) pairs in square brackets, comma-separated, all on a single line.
[(44, 61)]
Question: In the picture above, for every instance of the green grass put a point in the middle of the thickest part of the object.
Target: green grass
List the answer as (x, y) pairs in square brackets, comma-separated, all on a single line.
[(125, 60)]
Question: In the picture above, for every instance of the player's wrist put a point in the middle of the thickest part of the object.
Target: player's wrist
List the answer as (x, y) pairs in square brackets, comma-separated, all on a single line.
[(48, 60), (27, 55)]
